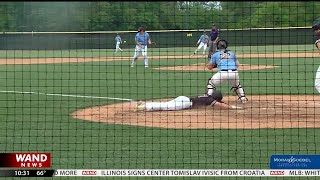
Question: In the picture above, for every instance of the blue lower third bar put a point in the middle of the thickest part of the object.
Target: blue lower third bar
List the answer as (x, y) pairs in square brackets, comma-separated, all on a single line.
[(295, 162)]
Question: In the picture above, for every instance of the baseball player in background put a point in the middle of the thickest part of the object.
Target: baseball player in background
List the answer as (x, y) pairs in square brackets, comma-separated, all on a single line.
[(118, 42), (214, 37), (227, 63), (316, 29), (184, 102), (142, 39), (203, 40)]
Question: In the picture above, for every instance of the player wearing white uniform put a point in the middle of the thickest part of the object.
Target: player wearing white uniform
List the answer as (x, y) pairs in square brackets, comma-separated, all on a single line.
[(142, 39), (118, 42), (228, 64), (184, 102), (203, 40)]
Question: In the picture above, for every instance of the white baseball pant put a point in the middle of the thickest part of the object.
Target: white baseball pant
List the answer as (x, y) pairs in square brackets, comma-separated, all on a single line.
[(317, 80), (221, 76), (204, 45), (143, 51), (179, 103), (118, 47)]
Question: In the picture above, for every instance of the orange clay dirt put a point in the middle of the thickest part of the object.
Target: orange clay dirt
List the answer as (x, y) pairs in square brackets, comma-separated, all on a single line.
[(264, 111), (202, 67), (260, 112), (105, 59)]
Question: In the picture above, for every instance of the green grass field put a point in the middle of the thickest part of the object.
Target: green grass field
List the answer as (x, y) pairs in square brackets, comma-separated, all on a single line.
[(33, 122)]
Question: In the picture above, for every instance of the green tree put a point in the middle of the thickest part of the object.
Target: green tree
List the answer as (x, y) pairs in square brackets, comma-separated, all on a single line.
[(104, 16), (268, 14), (100, 16), (7, 16)]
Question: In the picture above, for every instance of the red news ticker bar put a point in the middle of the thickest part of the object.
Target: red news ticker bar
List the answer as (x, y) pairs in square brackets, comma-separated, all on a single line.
[(25, 160)]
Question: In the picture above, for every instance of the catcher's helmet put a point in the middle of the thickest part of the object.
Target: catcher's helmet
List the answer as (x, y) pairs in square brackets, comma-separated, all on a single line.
[(217, 95), (222, 44), (140, 29)]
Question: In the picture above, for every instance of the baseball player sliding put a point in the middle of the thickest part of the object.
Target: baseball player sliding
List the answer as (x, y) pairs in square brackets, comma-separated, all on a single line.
[(142, 39), (184, 102), (203, 40), (227, 63), (316, 29)]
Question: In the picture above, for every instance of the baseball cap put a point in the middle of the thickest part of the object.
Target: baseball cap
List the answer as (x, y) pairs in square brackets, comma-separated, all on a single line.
[(213, 24)]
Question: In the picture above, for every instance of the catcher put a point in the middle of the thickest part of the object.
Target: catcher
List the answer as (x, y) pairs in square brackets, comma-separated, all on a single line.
[(227, 63), (183, 102), (316, 29)]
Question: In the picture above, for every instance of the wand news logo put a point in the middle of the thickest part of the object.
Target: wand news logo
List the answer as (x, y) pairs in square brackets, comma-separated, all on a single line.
[(295, 162), (25, 160)]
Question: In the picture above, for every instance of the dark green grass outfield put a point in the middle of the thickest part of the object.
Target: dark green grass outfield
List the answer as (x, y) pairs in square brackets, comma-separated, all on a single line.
[(42, 123)]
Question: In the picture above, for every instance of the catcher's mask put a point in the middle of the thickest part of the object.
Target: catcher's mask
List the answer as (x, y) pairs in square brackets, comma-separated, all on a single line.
[(222, 44), (217, 95), (140, 29)]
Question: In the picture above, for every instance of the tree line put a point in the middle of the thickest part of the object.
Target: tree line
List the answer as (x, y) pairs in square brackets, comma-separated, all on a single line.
[(175, 15)]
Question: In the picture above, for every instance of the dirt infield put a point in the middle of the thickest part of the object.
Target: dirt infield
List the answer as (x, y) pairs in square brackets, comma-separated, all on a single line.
[(260, 112), (201, 67), (106, 59)]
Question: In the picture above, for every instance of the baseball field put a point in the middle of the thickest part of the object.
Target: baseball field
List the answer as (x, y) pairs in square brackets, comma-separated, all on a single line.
[(75, 104)]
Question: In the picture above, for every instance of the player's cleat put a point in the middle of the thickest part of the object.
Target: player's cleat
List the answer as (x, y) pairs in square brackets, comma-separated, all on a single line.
[(236, 107), (146, 66), (244, 100)]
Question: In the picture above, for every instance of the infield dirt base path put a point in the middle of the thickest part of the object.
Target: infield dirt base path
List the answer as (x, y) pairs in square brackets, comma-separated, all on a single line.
[(264, 111), (202, 67), (106, 59)]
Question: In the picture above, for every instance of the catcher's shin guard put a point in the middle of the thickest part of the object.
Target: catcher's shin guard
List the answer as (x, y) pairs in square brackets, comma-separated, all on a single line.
[(210, 87), (238, 90)]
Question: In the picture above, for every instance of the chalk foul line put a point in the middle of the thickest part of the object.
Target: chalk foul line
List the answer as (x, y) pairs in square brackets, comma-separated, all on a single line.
[(66, 95)]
